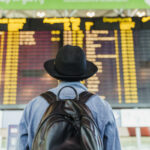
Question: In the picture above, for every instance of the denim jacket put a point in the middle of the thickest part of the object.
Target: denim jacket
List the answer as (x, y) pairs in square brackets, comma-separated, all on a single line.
[(100, 109)]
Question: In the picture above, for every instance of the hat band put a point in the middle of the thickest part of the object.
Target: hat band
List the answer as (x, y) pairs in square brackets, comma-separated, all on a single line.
[(66, 74)]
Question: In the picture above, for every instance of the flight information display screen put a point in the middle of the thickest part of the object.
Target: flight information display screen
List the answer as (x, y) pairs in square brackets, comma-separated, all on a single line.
[(120, 47)]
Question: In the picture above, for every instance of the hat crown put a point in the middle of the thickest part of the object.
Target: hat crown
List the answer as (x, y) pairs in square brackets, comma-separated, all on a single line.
[(70, 61)]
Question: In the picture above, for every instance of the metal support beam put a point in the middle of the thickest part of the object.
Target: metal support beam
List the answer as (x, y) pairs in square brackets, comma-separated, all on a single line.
[(133, 13), (66, 13), (138, 137), (119, 12), (72, 13)]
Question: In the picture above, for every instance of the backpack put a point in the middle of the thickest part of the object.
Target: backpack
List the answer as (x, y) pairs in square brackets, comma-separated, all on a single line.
[(67, 125)]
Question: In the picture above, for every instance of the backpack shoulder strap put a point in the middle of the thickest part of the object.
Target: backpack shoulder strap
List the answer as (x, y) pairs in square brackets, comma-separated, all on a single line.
[(84, 96), (49, 96)]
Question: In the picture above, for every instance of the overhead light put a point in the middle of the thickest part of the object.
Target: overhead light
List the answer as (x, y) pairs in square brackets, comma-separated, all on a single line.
[(40, 14), (90, 13), (141, 13)]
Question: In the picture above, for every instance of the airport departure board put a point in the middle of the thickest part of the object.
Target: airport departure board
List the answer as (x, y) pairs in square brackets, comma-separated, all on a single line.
[(120, 47)]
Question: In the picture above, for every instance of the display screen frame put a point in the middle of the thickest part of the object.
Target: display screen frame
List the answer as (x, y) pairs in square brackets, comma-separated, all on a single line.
[(121, 27)]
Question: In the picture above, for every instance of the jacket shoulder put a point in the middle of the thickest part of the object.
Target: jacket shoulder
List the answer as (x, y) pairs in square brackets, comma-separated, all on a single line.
[(100, 108)]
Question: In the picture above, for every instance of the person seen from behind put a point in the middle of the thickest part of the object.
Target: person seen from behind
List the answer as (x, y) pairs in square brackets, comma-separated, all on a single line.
[(69, 67)]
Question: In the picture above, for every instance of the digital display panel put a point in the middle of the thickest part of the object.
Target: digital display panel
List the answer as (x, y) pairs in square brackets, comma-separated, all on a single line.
[(118, 46)]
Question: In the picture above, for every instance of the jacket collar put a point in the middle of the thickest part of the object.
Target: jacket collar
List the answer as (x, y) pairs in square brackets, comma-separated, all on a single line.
[(76, 84)]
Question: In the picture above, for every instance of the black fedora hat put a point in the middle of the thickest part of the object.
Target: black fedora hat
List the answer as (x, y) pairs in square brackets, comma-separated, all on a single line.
[(70, 65)]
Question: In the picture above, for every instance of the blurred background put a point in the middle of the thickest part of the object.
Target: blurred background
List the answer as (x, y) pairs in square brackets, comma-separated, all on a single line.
[(115, 35)]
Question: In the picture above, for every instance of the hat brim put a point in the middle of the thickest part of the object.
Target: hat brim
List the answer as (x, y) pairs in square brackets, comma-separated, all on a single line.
[(50, 68)]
